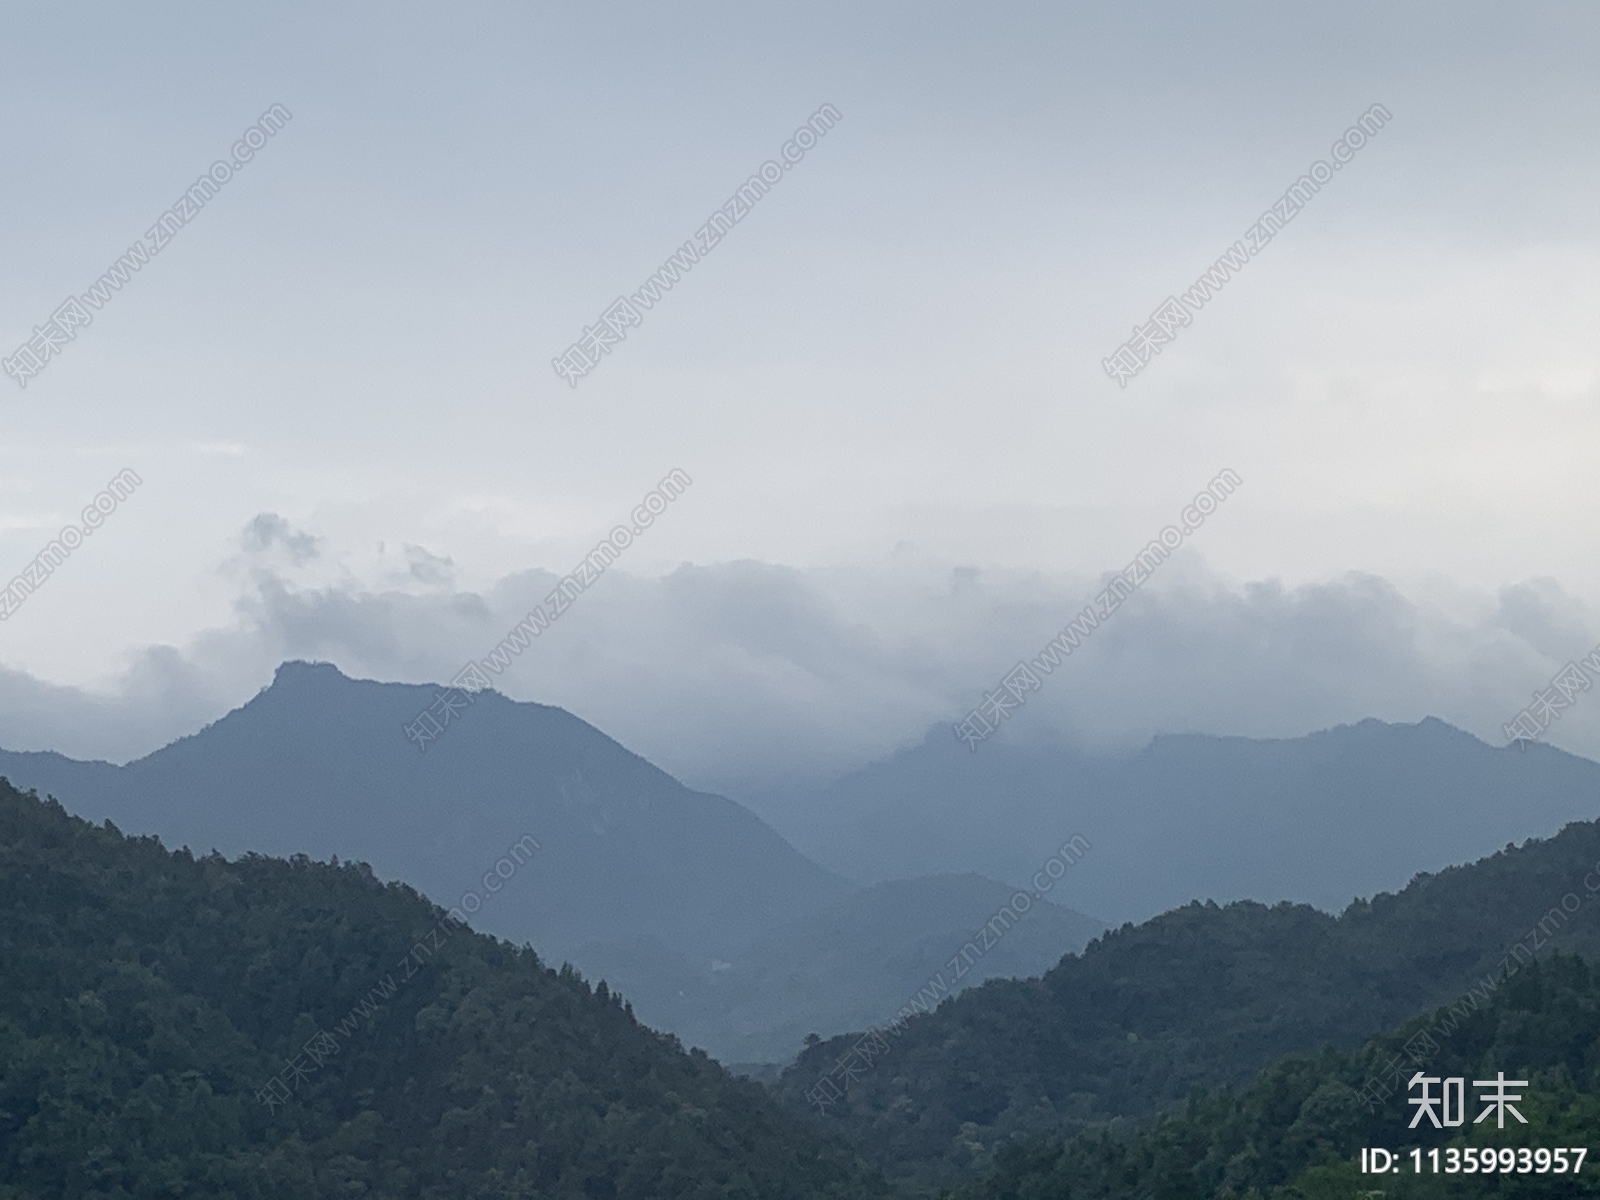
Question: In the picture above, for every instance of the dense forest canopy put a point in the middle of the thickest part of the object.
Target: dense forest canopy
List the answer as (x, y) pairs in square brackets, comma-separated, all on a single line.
[(1298, 1131), (1201, 996), (173, 1026)]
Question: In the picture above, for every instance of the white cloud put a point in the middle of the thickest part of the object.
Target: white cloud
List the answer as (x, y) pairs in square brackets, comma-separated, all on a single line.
[(736, 675)]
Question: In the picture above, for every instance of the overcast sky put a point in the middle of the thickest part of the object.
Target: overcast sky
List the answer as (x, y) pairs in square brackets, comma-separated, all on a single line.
[(885, 381)]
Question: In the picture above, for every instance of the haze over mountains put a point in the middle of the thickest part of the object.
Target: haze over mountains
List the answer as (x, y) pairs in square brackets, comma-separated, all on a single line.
[(689, 901), (715, 928), (317, 764), (152, 997), (718, 929), (1319, 819)]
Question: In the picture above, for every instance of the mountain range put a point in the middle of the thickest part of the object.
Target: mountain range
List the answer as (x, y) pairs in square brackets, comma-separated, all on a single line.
[(174, 1024), (720, 930), (1319, 819), (715, 926)]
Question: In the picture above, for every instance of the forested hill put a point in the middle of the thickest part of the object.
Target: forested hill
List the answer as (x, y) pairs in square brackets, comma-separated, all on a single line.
[(1298, 1131), (1200, 996), (266, 1028)]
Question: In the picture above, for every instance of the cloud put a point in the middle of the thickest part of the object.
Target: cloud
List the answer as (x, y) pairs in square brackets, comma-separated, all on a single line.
[(428, 568), (163, 695), (739, 675), (267, 530)]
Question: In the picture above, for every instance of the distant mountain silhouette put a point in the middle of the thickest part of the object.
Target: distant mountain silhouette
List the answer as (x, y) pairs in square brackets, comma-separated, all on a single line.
[(689, 902), (1319, 819), (317, 764)]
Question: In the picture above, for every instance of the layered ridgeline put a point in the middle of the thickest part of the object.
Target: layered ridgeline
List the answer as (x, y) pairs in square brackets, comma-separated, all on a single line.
[(699, 910), (318, 763), (1319, 819), (1198, 997), (1298, 1131), (262, 1028)]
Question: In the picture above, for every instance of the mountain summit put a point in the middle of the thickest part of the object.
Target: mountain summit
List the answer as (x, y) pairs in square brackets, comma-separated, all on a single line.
[(544, 830), (318, 764)]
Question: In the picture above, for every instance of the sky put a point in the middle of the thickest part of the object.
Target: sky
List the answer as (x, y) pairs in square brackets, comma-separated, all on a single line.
[(909, 466)]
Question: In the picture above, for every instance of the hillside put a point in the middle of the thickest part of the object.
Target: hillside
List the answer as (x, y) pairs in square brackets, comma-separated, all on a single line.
[(1318, 820), (318, 764), (1200, 996), (1299, 1130), (261, 1028), (694, 907)]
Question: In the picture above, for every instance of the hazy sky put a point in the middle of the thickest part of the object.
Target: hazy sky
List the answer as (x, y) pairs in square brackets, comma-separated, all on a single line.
[(885, 382)]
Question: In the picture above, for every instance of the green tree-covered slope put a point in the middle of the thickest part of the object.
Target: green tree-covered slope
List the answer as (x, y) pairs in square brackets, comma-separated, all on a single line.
[(147, 999), (1299, 1129), (1198, 997)]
